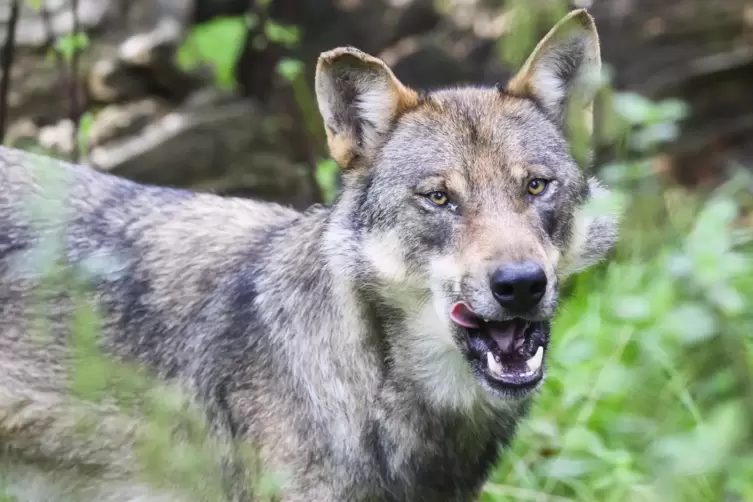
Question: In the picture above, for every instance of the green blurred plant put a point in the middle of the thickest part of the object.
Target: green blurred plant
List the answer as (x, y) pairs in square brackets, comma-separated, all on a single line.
[(326, 170), (67, 45), (218, 43), (285, 35)]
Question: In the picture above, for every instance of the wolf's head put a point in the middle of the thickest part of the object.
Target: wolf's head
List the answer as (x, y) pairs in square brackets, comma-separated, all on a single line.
[(468, 207)]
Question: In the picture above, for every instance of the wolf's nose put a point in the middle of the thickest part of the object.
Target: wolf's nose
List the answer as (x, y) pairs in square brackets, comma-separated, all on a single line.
[(519, 286)]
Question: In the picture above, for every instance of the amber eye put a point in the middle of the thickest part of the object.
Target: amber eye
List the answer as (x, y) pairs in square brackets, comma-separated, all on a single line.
[(438, 198), (537, 186)]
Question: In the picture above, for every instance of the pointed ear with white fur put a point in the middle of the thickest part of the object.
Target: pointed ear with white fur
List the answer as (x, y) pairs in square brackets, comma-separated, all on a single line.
[(359, 98), (562, 72)]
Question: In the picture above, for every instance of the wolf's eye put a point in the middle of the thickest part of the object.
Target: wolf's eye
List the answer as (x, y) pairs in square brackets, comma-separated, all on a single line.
[(537, 186), (439, 198)]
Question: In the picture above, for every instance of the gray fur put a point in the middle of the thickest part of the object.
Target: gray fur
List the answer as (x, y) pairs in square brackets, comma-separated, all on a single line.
[(322, 337)]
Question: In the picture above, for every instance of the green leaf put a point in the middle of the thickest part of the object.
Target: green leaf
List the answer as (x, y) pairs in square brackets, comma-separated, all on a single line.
[(672, 109), (633, 107), (584, 440), (654, 134), (706, 448), (290, 69), (326, 177), (282, 34), (84, 129), (218, 43), (632, 308), (727, 299), (69, 44), (691, 323), (90, 368), (566, 467)]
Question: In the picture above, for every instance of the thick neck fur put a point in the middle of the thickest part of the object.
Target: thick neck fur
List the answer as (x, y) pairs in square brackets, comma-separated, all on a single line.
[(432, 437)]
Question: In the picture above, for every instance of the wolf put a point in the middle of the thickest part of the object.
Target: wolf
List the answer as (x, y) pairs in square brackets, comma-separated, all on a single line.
[(383, 347)]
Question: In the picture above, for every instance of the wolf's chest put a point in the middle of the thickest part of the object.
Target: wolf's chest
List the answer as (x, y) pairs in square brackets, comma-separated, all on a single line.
[(436, 461)]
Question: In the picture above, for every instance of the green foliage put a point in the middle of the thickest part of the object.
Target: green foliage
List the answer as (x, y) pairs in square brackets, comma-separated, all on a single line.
[(67, 45), (290, 69), (218, 43), (326, 170), (656, 122), (326, 177), (284, 35), (530, 19), (84, 129)]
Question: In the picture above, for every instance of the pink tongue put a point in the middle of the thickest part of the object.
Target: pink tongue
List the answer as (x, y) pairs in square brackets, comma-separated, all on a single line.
[(505, 334), (463, 316)]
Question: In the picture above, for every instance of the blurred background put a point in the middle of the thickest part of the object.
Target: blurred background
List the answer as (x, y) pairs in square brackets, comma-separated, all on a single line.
[(650, 395)]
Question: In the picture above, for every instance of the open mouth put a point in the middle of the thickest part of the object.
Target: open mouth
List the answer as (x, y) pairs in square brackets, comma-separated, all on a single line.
[(509, 354)]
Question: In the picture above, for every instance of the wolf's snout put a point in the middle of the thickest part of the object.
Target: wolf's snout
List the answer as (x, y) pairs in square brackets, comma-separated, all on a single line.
[(519, 286)]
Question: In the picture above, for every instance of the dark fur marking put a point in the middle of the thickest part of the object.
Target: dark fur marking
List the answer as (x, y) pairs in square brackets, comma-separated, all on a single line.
[(358, 220), (373, 442), (220, 394), (469, 120), (584, 192), (549, 220), (374, 316), (9, 246), (435, 233), (567, 64), (346, 115)]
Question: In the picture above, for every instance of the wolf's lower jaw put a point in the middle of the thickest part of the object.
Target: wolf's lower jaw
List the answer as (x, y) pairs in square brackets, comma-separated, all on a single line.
[(533, 365), (509, 365), (511, 378)]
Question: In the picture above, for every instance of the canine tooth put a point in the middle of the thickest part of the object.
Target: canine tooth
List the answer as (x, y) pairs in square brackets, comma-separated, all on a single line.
[(534, 363), (494, 366)]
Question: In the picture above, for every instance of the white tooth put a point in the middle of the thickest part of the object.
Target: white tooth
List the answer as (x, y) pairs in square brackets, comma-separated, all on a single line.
[(494, 366), (534, 363)]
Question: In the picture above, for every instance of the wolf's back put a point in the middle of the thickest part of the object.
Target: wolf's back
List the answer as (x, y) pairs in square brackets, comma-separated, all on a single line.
[(159, 264)]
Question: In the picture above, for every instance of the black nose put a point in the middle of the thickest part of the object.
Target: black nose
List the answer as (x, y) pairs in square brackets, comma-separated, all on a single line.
[(519, 286)]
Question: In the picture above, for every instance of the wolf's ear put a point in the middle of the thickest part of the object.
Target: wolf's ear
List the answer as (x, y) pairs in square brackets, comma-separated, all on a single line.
[(561, 73), (358, 97)]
